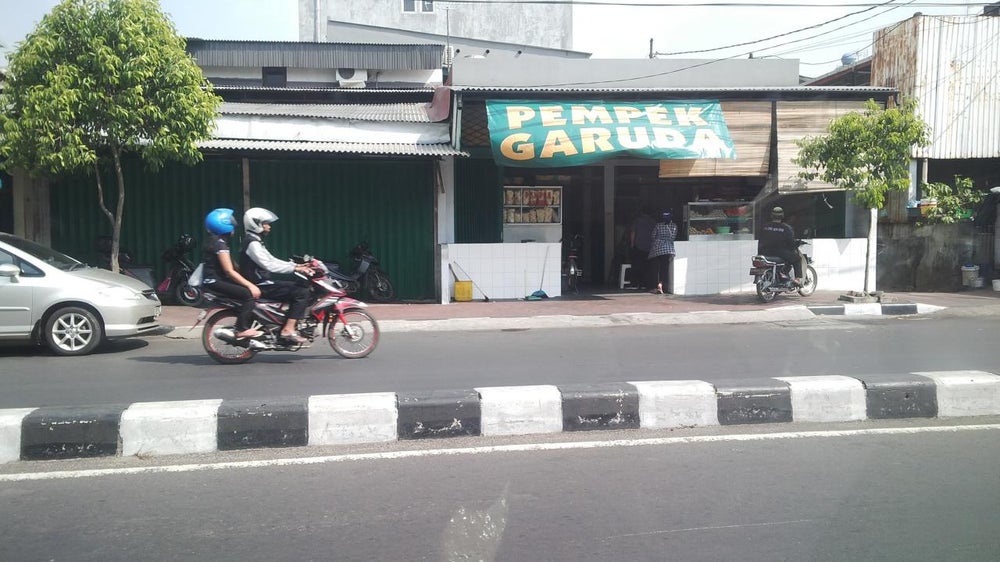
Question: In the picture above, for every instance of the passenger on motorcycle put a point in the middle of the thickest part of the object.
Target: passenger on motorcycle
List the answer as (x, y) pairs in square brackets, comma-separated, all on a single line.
[(218, 273), (258, 264), (778, 239)]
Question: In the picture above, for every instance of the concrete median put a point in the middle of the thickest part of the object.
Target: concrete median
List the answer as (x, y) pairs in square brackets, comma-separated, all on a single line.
[(204, 426)]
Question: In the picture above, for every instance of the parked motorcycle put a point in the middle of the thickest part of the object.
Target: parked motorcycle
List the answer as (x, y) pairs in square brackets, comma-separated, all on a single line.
[(126, 264), (174, 286), (366, 276), (574, 271), (772, 276), (351, 331)]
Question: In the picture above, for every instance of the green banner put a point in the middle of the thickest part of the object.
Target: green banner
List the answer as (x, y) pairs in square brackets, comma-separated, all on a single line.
[(534, 134)]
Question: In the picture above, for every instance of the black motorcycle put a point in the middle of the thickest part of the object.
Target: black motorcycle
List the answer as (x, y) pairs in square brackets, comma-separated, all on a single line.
[(174, 287), (126, 263), (366, 276), (772, 275)]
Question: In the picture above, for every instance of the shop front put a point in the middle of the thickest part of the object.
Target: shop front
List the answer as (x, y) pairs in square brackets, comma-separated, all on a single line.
[(565, 167)]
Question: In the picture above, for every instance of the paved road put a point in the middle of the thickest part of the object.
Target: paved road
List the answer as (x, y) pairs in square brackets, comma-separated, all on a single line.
[(708, 494), (169, 369)]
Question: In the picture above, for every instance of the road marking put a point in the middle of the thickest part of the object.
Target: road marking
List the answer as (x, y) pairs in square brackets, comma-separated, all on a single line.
[(527, 447)]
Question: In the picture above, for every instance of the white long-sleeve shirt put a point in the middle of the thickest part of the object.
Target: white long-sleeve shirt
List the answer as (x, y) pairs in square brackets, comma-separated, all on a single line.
[(265, 261)]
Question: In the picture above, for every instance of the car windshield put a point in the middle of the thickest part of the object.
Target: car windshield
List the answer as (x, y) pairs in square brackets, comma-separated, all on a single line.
[(45, 254)]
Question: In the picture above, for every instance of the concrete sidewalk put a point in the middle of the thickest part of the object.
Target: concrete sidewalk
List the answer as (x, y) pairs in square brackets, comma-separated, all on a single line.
[(631, 307)]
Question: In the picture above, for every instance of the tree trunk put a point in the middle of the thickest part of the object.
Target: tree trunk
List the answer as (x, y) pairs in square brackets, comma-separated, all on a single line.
[(111, 218), (870, 250), (119, 210)]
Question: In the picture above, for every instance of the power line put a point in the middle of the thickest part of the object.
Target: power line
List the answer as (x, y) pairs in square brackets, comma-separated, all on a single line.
[(783, 34), (612, 3)]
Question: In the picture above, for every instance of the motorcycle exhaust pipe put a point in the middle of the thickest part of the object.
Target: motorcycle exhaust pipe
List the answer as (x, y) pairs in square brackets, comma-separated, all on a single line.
[(227, 335)]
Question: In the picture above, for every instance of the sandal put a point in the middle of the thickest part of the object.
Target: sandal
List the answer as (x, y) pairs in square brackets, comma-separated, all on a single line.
[(294, 338)]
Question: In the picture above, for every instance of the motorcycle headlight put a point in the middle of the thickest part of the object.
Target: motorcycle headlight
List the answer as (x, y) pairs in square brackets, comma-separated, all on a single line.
[(119, 293)]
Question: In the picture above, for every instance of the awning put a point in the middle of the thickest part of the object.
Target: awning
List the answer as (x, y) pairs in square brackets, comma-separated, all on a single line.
[(798, 120), (376, 149), (546, 134), (749, 125)]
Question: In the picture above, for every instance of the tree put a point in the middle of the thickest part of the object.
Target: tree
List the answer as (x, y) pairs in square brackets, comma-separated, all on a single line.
[(98, 80), (868, 154)]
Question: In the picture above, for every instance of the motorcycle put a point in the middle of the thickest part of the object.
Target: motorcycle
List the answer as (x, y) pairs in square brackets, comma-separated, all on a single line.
[(174, 286), (574, 272), (351, 331), (126, 263), (367, 275), (772, 276)]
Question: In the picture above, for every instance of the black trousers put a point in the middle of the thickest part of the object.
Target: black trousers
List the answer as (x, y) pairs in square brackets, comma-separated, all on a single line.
[(294, 294), (661, 270), (230, 289), (793, 257), (640, 267)]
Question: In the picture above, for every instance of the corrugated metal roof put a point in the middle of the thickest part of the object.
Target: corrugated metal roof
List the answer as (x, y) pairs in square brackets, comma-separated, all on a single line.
[(396, 149), (397, 112), (258, 54)]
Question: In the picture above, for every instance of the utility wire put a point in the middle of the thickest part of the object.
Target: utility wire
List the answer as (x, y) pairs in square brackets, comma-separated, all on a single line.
[(845, 16)]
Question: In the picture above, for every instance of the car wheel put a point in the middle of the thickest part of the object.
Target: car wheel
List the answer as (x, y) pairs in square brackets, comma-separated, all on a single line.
[(73, 331)]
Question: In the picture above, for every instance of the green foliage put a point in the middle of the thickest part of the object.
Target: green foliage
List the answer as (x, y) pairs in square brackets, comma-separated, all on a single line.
[(954, 203), (866, 153), (98, 78)]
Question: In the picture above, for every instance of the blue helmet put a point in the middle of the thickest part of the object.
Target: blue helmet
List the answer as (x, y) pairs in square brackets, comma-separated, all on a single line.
[(220, 221)]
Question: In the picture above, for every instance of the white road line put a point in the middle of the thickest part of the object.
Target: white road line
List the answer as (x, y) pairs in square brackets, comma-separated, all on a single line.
[(527, 447)]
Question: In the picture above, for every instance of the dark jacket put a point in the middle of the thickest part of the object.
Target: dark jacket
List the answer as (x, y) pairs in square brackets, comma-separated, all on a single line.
[(776, 238)]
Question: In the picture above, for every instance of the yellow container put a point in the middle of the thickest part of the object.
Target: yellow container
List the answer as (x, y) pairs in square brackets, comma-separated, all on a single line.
[(463, 291)]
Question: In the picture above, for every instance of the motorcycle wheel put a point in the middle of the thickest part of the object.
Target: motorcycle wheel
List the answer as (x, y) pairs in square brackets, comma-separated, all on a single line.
[(357, 337), (763, 283), (219, 349), (572, 278), (379, 287), (188, 295), (809, 282)]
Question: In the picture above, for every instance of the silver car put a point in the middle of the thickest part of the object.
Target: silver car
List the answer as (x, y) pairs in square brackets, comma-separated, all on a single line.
[(50, 298)]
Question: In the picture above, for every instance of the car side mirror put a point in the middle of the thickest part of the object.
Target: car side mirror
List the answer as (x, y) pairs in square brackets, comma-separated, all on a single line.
[(10, 270)]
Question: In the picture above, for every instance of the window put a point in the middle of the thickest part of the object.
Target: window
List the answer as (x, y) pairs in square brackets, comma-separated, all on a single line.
[(275, 76), (426, 6)]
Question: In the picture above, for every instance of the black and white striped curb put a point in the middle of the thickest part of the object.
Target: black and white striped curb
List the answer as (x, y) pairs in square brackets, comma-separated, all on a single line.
[(204, 426), (875, 309)]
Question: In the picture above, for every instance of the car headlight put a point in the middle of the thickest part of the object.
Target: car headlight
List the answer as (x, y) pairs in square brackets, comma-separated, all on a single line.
[(120, 293)]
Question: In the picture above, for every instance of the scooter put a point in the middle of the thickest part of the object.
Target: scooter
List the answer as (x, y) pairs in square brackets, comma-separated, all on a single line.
[(772, 276), (174, 286), (367, 275)]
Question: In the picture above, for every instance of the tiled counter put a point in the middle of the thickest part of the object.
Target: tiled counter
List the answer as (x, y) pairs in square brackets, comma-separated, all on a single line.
[(503, 271)]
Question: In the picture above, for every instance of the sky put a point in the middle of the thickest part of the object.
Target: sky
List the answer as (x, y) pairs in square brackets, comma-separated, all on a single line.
[(622, 30)]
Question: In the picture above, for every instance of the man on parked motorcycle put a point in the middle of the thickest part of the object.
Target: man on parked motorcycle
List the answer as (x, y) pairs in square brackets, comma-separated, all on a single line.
[(778, 239), (257, 263)]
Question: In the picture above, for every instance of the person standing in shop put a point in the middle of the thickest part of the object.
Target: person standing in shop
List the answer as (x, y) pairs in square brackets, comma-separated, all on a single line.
[(661, 252), (640, 241)]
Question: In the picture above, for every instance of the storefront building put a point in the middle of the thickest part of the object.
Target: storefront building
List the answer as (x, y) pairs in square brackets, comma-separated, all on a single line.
[(550, 163)]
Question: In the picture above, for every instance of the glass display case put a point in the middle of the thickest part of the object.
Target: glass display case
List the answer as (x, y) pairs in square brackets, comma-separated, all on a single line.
[(719, 220), (532, 205)]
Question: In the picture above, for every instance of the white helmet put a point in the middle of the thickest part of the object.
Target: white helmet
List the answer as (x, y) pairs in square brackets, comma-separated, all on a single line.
[(254, 219)]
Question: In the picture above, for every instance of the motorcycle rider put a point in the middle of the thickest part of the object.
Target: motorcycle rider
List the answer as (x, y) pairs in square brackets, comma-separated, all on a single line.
[(218, 273), (778, 239), (258, 264)]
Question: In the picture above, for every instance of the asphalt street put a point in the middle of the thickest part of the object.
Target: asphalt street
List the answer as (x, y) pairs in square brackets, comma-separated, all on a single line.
[(163, 368), (914, 490)]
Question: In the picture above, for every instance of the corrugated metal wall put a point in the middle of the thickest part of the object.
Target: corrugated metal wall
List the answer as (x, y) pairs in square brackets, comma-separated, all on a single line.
[(325, 207), (389, 204), (158, 208), (950, 65), (478, 201)]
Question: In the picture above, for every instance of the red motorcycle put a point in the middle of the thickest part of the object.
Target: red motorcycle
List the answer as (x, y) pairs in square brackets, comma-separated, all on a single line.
[(350, 329)]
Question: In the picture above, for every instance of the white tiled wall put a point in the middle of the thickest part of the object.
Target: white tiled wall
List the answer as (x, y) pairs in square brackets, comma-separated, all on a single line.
[(514, 271), (503, 271), (722, 266)]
